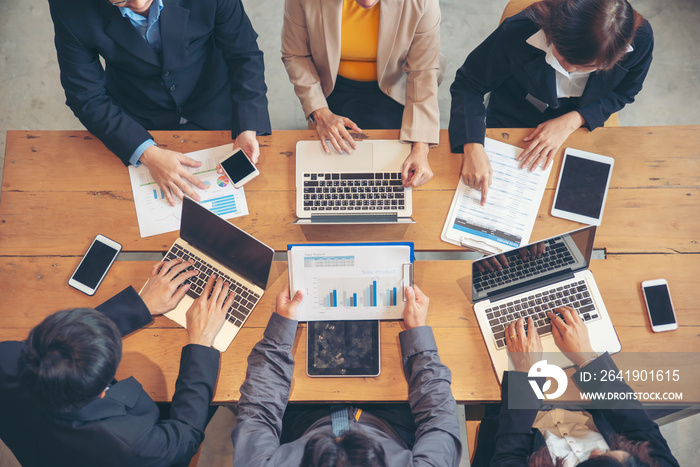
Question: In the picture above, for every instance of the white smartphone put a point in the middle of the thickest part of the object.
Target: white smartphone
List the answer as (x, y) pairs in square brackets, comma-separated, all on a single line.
[(659, 305), (583, 186), (88, 276), (239, 169)]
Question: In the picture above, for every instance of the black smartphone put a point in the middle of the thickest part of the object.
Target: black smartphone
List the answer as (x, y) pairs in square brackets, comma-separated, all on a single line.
[(239, 169), (88, 276)]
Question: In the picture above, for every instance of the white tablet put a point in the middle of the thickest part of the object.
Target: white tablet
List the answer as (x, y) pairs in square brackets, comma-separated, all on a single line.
[(583, 186)]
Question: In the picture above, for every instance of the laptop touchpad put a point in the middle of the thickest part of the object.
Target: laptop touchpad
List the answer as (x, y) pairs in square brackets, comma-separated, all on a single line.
[(359, 160)]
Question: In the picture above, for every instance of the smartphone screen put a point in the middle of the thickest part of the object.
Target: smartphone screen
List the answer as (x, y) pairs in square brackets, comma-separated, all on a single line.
[(237, 167), (659, 303), (95, 264)]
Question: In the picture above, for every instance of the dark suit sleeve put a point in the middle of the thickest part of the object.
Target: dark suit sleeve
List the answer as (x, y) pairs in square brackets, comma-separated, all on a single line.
[(637, 65), (127, 310), (627, 417), (515, 436), (483, 70), (83, 80), (237, 40)]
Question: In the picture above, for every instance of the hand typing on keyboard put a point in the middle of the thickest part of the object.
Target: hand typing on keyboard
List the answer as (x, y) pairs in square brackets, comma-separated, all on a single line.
[(166, 285), (524, 345), (207, 314), (571, 335), (416, 170)]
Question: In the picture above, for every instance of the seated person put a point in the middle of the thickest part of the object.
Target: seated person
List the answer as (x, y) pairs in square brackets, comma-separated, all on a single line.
[(190, 65), (354, 67), (620, 435), (267, 436), (556, 66), (61, 405)]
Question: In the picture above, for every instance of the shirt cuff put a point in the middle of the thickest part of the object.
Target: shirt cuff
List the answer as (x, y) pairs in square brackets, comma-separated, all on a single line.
[(136, 155), (281, 330), (417, 340)]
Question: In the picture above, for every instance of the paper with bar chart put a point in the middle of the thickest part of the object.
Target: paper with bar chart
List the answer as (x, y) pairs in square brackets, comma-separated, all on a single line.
[(350, 282), (155, 216)]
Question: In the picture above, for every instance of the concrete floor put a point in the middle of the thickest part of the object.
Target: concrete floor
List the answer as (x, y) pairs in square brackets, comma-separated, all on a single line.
[(31, 98)]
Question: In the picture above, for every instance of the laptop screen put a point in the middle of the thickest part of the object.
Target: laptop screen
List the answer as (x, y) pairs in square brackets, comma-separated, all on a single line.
[(225, 243), (532, 265)]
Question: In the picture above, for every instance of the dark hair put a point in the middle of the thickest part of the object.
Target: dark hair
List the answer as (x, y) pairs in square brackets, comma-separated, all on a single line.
[(587, 32), (354, 449), (639, 452), (70, 358)]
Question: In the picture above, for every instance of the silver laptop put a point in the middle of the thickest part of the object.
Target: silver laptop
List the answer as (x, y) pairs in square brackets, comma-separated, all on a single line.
[(363, 187), (216, 246), (534, 279)]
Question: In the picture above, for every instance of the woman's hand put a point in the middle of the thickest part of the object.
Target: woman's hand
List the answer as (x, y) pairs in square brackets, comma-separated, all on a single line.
[(331, 127), (247, 141), (524, 347), (416, 169), (571, 335), (547, 138), (476, 169)]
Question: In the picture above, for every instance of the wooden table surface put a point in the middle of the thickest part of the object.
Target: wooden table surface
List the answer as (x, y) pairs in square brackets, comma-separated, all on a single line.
[(61, 188)]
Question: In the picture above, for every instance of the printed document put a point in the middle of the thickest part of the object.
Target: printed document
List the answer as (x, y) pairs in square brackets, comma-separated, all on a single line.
[(506, 220), (350, 282), (156, 216)]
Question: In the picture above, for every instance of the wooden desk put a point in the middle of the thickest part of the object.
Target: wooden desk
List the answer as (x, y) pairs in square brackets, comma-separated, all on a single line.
[(56, 184)]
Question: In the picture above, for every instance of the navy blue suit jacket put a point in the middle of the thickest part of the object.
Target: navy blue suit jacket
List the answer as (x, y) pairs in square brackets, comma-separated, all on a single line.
[(123, 427), (516, 439), (210, 71), (509, 68)]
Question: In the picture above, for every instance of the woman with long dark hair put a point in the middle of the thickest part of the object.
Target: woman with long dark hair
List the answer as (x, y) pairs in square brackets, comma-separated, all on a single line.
[(556, 66)]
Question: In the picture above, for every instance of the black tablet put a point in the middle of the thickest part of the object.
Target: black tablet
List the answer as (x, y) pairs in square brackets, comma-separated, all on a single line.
[(343, 348)]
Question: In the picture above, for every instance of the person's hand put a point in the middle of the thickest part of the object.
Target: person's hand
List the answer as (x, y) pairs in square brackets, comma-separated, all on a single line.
[(207, 314), (416, 170), (533, 251), (546, 139), (165, 288), (524, 347), (415, 311), (332, 127), (247, 141), (571, 335), (288, 307), (476, 169), (168, 170), (493, 263)]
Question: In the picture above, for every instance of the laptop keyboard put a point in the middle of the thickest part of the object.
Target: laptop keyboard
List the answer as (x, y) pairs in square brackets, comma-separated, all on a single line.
[(380, 191), (556, 256), (245, 299), (575, 294)]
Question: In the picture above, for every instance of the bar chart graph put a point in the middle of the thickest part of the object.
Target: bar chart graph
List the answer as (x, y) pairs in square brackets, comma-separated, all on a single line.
[(348, 293)]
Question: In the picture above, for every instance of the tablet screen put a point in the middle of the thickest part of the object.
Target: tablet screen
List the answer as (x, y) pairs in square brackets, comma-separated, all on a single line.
[(343, 348), (582, 186)]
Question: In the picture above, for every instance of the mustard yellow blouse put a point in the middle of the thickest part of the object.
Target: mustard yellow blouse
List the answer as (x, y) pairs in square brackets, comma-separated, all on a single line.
[(358, 42)]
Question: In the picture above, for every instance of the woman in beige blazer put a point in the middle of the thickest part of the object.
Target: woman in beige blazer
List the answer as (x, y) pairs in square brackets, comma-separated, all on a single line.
[(409, 69)]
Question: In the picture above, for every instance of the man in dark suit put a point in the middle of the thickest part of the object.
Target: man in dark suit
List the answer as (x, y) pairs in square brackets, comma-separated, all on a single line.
[(169, 65), (59, 401)]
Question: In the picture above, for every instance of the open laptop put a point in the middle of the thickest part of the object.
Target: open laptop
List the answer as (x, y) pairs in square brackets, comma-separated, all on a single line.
[(534, 279), (363, 187), (217, 246)]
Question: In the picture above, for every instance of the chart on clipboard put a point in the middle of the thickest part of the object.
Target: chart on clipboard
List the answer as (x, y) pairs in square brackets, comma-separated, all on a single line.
[(351, 281)]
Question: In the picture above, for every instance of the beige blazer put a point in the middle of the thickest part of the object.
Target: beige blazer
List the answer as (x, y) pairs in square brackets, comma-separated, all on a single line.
[(409, 64)]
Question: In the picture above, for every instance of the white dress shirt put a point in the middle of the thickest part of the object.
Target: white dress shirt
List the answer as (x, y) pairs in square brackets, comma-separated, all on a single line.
[(570, 435), (568, 84)]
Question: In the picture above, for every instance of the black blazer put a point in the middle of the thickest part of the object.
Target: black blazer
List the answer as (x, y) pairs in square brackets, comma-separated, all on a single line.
[(123, 427), (210, 71), (516, 439), (510, 68)]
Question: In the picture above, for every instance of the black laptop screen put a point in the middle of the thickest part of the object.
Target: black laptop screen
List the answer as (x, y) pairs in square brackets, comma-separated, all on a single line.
[(532, 265), (225, 243)]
